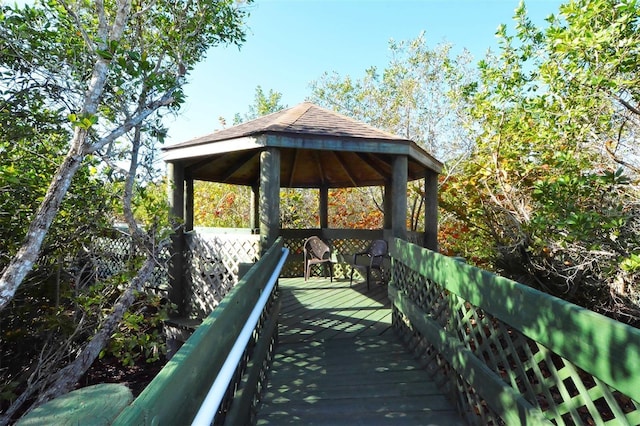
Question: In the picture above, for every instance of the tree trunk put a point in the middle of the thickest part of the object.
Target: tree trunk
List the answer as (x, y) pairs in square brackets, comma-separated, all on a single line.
[(23, 261)]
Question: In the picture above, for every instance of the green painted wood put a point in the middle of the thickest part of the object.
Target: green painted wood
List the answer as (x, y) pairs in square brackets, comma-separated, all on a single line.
[(318, 309), (175, 394), (328, 371), (240, 411), (394, 147), (510, 405), (95, 405), (605, 348)]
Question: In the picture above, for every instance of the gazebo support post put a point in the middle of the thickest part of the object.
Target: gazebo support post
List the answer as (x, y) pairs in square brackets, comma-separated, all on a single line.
[(188, 207), (176, 189), (269, 198), (255, 209), (324, 207), (387, 206), (399, 196), (431, 210)]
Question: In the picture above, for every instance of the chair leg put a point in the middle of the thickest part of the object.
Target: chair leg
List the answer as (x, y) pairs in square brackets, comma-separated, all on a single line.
[(368, 273)]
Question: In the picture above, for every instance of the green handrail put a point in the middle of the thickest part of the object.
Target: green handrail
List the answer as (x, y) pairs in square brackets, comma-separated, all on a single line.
[(176, 393)]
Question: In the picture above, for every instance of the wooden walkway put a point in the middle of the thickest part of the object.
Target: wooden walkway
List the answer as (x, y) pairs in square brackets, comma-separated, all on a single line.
[(338, 362)]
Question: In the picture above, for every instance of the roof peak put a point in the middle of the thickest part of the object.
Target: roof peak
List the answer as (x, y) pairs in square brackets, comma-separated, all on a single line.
[(305, 119)]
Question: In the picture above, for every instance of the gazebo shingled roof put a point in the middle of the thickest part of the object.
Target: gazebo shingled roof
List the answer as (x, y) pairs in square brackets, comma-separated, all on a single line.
[(319, 148)]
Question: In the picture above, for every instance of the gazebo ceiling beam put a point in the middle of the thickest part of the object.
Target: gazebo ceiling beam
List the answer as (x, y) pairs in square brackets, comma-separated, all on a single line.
[(294, 164), (374, 166), (237, 165), (316, 156), (198, 164), (345, 167)]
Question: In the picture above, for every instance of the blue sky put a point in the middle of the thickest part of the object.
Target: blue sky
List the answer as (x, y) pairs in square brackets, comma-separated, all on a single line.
[(293, 42)]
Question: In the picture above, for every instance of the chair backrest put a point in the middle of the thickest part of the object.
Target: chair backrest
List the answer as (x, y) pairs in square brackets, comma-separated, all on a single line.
[(378, 248), (317, 248)]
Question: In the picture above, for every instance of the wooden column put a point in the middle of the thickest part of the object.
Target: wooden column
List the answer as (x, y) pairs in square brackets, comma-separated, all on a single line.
[(177, 282), (399, 196), (324, 207), (254, 218), (175, 189), (188, 206), (269, 198), (387, 206), (431, 210)]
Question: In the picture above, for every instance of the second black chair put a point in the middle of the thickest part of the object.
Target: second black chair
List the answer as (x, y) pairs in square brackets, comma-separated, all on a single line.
[(373, 258)]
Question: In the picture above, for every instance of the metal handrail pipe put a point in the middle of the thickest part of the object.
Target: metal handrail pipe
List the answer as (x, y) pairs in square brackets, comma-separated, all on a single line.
[(216, 393)]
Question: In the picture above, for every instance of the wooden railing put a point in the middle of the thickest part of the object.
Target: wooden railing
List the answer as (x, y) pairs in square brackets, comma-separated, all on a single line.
[(176, 393), (510, 354)]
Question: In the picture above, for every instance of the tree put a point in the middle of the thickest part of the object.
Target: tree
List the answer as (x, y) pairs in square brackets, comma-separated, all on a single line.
[(419, 95), (104, 68), (129, 74), (263, 104), (544, 183)]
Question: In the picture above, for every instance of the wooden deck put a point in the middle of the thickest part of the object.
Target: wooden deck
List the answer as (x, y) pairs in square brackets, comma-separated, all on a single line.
[(338, 362)]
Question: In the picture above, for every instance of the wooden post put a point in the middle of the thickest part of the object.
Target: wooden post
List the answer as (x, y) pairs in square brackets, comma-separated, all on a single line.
[(175, 189), (431, 210), (387, 206), (324, 207), (177, 283), (188, 207), (269, 198), (255, 208), (399, 196)]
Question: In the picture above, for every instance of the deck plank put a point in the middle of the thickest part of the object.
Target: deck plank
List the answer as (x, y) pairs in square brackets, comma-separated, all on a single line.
[(337, 362)]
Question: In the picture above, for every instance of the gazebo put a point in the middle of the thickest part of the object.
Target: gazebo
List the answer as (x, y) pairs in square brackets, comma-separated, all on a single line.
[(305, 146)]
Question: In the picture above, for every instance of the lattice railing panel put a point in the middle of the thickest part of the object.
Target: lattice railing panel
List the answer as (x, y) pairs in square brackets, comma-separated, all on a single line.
[(213, 263), (564, 393), (110, 256)]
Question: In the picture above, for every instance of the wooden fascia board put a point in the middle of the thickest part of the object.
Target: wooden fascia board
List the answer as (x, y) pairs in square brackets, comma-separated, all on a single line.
[(372, 146), (424, 158), (211, 148)]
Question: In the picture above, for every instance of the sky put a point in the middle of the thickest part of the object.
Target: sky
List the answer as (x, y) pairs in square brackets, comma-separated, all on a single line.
[(291, 43)]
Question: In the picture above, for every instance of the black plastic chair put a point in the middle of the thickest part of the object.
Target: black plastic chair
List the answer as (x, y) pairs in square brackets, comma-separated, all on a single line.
[(376, 253), (316, 252)]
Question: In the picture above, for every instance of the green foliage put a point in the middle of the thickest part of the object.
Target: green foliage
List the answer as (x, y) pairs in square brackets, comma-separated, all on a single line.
[(417, 95), (298, 208), (552, 179), (221, 205), (263, 104), (139, 336)]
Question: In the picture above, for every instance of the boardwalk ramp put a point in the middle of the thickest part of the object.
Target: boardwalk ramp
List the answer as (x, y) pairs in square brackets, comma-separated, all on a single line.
[(338, 362)]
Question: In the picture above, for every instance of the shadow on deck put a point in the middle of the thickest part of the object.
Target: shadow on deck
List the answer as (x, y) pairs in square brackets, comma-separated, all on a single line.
[(339, 362)]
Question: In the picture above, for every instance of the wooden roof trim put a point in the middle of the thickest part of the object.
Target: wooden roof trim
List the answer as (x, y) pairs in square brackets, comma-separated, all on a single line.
[(206, 149)]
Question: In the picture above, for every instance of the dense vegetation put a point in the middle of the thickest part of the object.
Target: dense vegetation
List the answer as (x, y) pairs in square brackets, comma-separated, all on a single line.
[(540, 141), (83, 86)]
